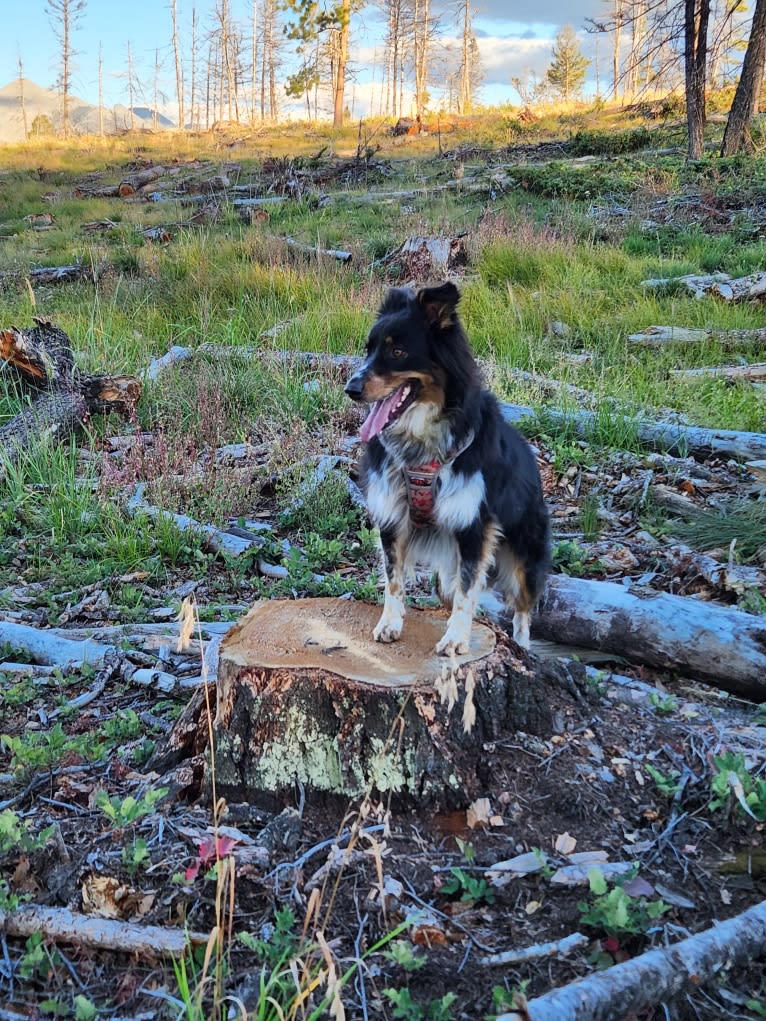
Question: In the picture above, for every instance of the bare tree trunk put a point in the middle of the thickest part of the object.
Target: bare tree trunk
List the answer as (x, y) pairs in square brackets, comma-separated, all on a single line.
[(340, 69), (156, 91), (179, 71), (618, 15), (193, 117), (466, 54), (130, 87), (254, 62), (737, 134), (21, 99), (696, 17), (101, 90)]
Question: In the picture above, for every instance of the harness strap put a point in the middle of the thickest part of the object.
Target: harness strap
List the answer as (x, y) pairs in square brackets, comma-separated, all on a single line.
[(420, 482)]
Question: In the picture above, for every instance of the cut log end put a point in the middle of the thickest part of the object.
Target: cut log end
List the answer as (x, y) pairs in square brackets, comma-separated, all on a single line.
[(305, 696)]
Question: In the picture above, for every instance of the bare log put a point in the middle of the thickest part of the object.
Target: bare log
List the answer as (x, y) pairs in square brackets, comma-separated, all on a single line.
[(130, 185), (304, 693), (523, 955), (52, 650), (629, 988), (52, 274), (657, 336), (713, 643), (747, 288), (672, 437), (757, 370), (64, 926), (215, 539), (311, 250)]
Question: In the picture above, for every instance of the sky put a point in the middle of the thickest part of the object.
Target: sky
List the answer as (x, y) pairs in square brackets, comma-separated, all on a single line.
[(509, 44)]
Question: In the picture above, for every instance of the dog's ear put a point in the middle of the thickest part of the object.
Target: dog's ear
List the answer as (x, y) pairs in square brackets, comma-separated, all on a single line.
[(397, 300), (439, 304)]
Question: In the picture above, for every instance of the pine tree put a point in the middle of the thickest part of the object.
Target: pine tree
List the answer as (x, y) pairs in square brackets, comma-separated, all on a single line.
[(566, 73)]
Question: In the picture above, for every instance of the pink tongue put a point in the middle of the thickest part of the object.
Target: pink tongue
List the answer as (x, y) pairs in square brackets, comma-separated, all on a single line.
[(379, 416)]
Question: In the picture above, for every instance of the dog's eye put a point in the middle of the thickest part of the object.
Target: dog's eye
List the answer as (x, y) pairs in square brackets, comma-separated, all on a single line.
[(398, 352)]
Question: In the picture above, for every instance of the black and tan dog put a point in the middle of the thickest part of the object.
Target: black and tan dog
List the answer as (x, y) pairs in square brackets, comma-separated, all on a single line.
[(447, 481)]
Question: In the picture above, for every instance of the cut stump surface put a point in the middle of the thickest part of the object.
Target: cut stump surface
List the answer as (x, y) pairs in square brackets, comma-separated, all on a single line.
[(305, 695)]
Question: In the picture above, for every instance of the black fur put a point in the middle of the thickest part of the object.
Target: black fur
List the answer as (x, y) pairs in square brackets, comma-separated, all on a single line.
[(417, 341)]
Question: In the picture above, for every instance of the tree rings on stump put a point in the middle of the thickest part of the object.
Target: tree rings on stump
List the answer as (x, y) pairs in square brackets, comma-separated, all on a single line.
[(305, 695)]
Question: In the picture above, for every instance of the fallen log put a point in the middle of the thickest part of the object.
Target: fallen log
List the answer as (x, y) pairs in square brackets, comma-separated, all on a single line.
[(52, 274), (64, 926), (713, 643), (214, 538), (50, 649), (672, 437), (631, 987), (304, 694), (757, 370), (657, 336), (315, 251), (747, 288), (42, 359), (130, 185)]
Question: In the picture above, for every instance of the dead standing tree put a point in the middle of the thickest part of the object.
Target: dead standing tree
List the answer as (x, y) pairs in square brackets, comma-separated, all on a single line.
[(41, 358), (696, 18)]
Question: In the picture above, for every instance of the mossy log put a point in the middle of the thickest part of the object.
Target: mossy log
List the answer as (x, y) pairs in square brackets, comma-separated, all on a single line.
[(305, 696)]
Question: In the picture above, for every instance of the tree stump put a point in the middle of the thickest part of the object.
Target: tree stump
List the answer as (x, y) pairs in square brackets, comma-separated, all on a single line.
[(305, 695)]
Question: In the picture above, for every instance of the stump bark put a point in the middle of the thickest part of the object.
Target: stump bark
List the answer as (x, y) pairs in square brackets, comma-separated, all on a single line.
[(305, 696)]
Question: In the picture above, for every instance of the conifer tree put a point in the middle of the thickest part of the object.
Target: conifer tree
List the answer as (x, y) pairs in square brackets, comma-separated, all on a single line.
[(566, 73)]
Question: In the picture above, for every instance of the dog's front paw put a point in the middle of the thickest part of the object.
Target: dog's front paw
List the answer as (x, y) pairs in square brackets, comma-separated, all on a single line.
[(453, 645), (387, 631)]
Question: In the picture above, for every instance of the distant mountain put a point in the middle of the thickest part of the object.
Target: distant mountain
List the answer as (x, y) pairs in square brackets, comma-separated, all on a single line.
[(83, 117)]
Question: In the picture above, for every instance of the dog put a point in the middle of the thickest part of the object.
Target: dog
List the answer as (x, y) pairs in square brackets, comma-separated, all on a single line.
[(447, 481)]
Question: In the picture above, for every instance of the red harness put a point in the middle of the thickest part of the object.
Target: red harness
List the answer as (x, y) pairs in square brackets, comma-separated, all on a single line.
[(420, 481)]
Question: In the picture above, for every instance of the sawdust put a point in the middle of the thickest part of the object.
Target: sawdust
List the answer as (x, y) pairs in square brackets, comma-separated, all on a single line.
[(336, 635)]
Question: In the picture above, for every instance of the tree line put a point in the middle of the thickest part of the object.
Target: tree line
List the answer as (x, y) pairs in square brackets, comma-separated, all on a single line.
[(235, 69)]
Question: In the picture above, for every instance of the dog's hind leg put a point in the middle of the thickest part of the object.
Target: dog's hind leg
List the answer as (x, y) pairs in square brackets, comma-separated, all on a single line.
[(393, 547), (476, 546), (520, 585)]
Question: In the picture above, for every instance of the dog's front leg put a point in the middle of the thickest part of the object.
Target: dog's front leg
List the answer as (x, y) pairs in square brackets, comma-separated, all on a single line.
[(476, 548), (389, 627)]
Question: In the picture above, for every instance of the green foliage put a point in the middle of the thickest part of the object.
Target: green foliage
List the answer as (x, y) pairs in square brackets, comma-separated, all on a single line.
[(407, 1009), (666, 705), (42, 127), (39, 960), (667, 783), (614, 911), (123, 812), (742, 522), (566, 73), (135, 855), (569, 557), (734, 783), (505, 1000), (402, 953), (470, 888), (609, 143), (15, 836)]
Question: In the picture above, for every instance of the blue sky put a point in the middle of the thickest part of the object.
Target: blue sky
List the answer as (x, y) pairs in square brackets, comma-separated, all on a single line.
[(507, 46)]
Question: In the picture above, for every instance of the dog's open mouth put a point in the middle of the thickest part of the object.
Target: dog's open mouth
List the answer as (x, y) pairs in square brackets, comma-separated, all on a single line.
[(384, 412)]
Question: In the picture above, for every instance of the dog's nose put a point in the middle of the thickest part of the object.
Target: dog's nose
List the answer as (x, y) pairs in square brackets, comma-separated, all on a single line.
[(354, 387)]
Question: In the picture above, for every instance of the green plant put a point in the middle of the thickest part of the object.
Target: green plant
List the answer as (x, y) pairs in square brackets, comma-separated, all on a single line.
[(615, 911), (470, 888), (135, 855), (15, 835), (39, 960), (571, 558), (505, 1000), (664, 704), (402, 953), (407, 1009), (733, 781), (589, 516), (123, 812), (667, 783)]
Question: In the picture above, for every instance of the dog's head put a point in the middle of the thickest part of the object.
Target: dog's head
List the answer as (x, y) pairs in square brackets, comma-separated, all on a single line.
[(416, 352)]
